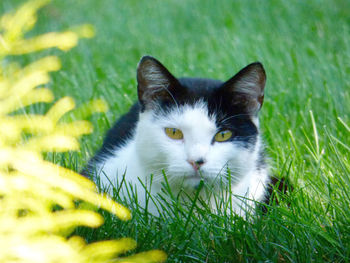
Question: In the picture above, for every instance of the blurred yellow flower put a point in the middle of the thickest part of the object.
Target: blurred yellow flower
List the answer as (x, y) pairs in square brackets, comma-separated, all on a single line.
[(31, 230)]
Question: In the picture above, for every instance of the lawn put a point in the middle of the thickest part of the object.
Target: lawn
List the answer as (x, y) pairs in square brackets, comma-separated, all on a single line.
[(305, 120)]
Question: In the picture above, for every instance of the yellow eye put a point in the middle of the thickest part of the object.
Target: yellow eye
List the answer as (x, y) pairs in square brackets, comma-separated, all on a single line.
[(223, 136), (174, 133)]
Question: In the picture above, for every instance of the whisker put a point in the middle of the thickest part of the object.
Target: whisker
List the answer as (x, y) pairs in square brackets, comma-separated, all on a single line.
[(234, 116), (173, 98)]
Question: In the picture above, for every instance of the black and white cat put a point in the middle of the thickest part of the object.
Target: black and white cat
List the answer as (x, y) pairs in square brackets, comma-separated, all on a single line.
[(190, 130)]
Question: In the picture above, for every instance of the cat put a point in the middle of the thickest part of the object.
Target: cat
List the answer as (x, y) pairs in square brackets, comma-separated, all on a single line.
[(185, 131)]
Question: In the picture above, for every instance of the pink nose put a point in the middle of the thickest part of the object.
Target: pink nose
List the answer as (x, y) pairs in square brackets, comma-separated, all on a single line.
[(196, 164)]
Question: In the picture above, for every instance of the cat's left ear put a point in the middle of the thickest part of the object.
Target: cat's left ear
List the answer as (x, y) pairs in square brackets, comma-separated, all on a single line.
[(246, 88), (155, 83)]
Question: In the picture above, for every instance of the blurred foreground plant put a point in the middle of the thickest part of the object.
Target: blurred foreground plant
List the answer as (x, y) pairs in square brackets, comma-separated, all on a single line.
[(38, 199)]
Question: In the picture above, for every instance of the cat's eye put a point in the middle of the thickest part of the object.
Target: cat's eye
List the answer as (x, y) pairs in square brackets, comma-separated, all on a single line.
[(174, 133), (223, 136)]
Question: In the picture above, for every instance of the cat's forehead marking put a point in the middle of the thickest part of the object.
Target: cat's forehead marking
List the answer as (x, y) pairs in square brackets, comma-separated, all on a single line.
[(196, 114)]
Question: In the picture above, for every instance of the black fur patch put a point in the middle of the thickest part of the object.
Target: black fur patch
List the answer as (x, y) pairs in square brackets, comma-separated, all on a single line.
[(276, 185)]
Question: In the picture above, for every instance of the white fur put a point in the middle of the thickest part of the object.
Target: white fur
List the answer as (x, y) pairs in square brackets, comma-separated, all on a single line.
[(151, 151)]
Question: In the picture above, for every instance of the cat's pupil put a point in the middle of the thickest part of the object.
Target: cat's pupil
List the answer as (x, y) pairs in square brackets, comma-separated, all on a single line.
[(174, 131)]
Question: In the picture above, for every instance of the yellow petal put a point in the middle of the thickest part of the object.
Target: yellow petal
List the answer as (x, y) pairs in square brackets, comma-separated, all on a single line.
[(74, 129), (60, 108), (63, 41), (145, 257), (107, 249), (52, 143)]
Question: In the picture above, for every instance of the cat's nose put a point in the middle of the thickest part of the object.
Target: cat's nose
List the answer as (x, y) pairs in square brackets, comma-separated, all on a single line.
[(196, 164)]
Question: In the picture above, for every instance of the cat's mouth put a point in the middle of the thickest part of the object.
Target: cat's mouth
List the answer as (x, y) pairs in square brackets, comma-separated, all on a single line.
[(196, 180), (196, 176)]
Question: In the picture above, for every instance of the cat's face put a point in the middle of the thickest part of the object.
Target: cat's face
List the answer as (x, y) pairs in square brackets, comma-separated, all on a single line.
[(197, 129)]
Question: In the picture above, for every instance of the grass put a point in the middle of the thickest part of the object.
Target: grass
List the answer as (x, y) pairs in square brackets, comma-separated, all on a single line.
[(305, 48)]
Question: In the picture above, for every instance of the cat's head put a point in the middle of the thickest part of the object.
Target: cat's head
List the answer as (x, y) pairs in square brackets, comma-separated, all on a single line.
[(198, 129)]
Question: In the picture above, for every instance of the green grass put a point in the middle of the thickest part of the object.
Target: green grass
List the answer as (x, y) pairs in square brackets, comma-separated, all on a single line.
[(305, 48)]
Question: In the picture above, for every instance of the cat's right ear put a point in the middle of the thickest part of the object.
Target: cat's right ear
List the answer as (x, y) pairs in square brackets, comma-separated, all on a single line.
[(245, 90), (154, 83)]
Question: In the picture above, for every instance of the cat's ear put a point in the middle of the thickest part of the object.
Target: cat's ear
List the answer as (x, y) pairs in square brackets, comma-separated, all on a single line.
[(154, 82), (246, 88)]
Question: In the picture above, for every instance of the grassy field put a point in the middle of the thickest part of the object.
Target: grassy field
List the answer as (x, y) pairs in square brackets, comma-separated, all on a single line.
[(305, 48)]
